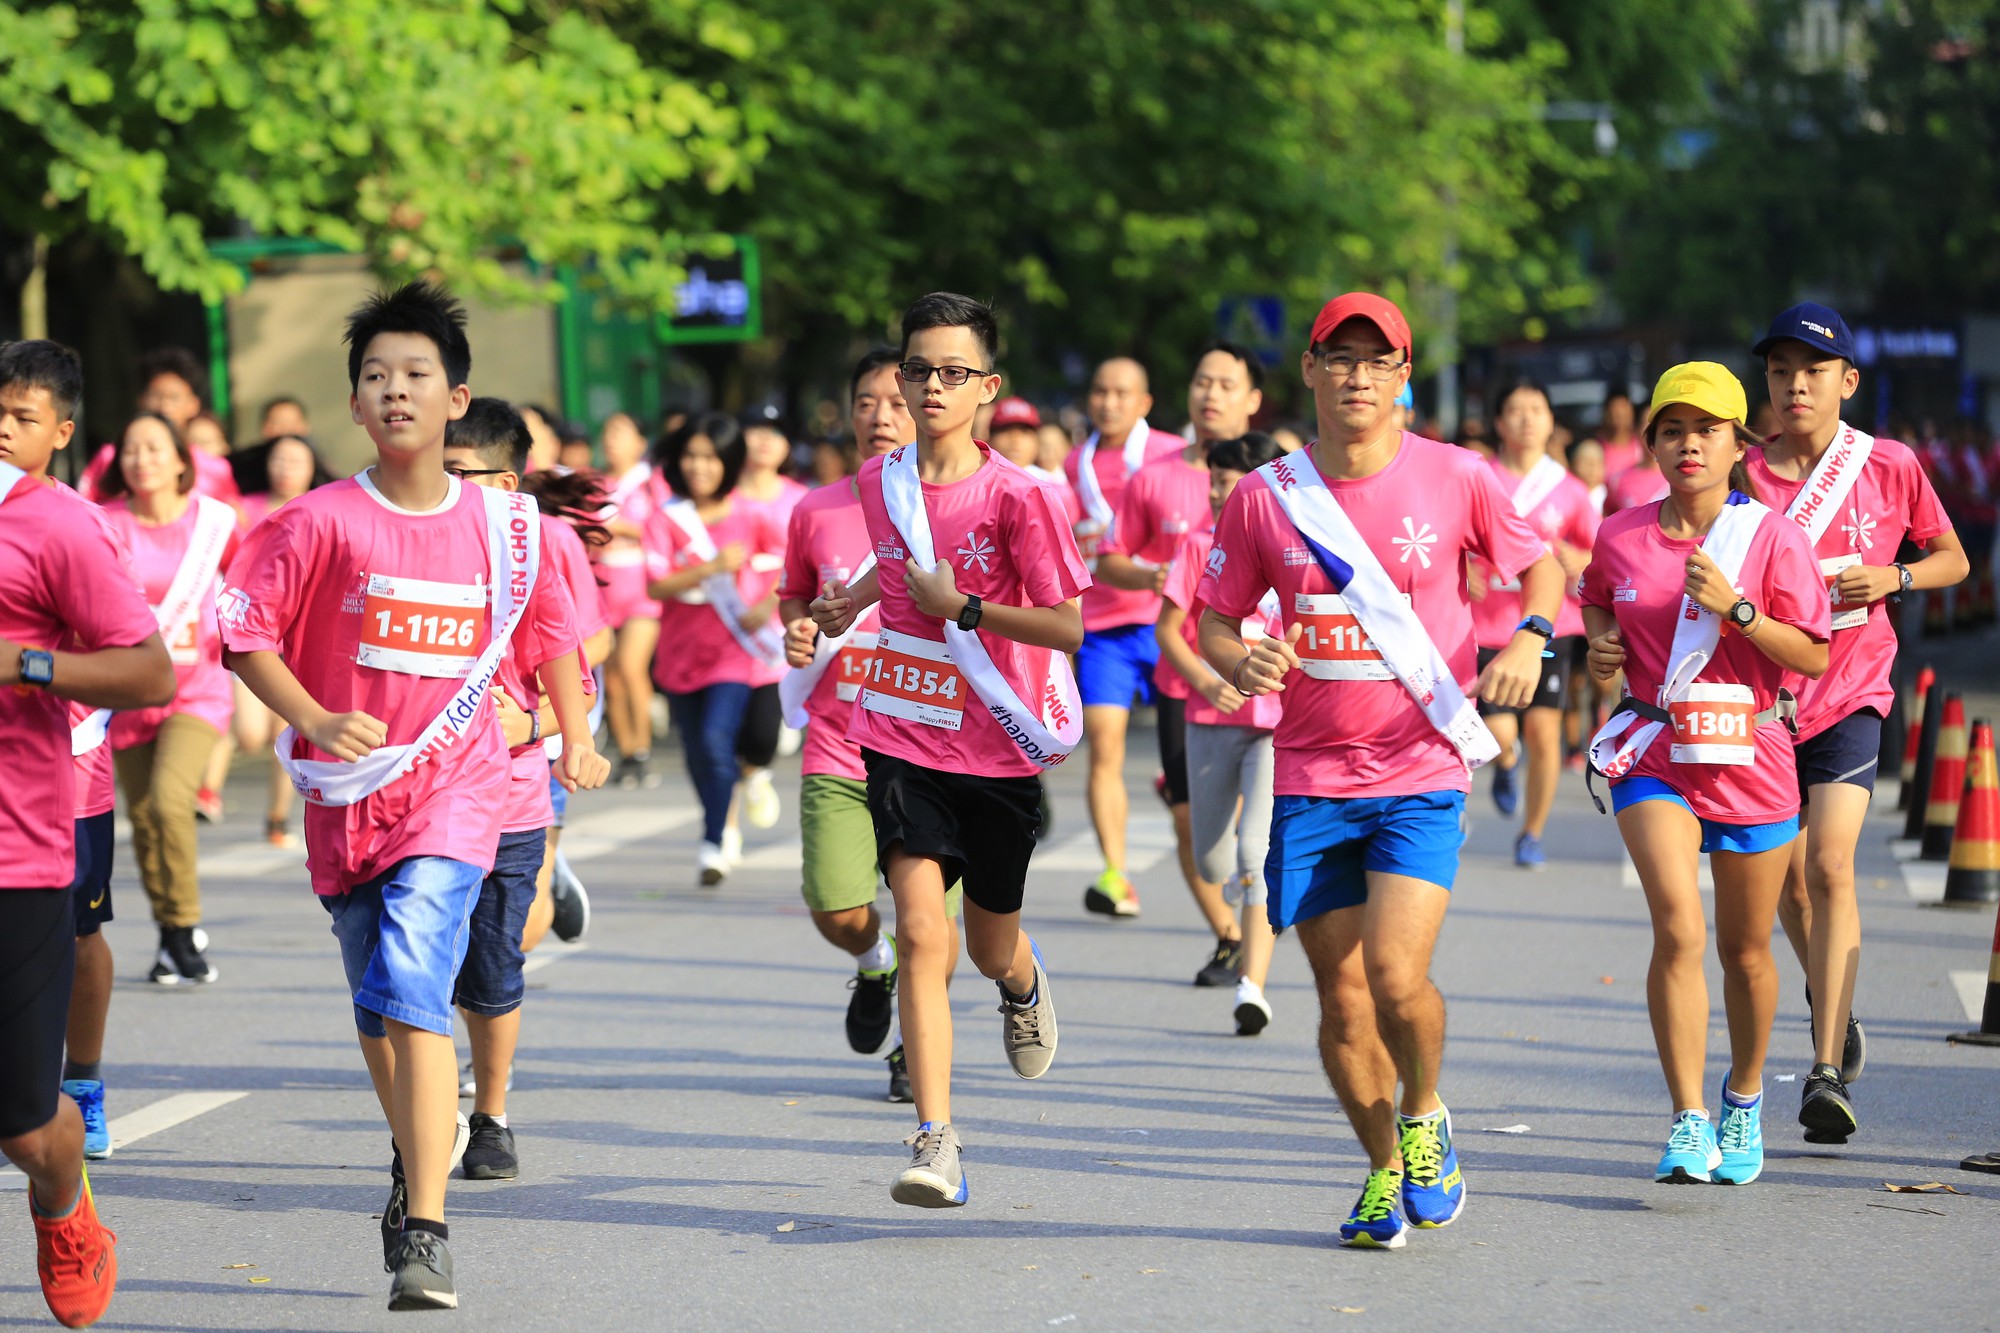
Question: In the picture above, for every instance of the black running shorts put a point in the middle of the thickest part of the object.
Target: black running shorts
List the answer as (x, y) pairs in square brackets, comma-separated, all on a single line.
[(980, 830), (1552, 691), (1846, 752), (1172, 715), (37, 965)]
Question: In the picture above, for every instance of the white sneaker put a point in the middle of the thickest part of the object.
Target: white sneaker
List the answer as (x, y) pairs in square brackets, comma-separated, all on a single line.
[(461, 1137), (1253, 1011), (760, 800), (712, 864), (732, 848), (789, 742), (468, 1084)]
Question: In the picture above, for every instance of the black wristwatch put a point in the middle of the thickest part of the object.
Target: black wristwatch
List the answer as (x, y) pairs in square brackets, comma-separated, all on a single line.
[(37, 667), (1744, 614), (968, 619), (1908, 578), (1537, 625)]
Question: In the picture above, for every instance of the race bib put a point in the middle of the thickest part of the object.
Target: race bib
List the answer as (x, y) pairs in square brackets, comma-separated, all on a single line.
[(1089, 535), (914, 679), (1854, 617), (1332, 644), (184, 651), (851, 665), (1715, 724), (420, 627)]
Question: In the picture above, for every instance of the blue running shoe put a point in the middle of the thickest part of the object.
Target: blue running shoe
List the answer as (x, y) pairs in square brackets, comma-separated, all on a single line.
[(1741, 1141), (1506, 789), (1375, 1224), (1528, 852), (88, 1094), (1692, 1154), (1433, 1187)]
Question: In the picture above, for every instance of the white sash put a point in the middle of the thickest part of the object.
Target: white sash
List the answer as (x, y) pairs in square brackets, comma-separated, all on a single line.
[(1094, 503), (9, 474), (1374, 601), (767, 645), (1622, 741), (1821, 498), (799, 683), (179, 612), (1047, 736), (624, 552), (514, 559), (1538, 485)]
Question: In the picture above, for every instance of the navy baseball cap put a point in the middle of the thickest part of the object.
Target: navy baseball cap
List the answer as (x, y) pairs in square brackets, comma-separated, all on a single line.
[(1813, 324)]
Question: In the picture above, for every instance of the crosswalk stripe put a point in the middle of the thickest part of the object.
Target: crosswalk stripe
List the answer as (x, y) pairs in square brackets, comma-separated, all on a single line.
[(147, 1121), (1971, 988)]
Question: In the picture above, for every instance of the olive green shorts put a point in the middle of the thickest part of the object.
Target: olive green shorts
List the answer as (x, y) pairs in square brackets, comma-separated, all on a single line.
[(838, 838)]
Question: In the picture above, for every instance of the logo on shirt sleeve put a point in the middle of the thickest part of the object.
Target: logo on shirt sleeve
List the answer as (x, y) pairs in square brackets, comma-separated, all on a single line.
[(231, 606), (1217, 557), (1625, 592)]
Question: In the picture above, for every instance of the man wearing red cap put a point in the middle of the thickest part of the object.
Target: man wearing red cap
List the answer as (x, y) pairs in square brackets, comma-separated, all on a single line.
[(1364, 537)]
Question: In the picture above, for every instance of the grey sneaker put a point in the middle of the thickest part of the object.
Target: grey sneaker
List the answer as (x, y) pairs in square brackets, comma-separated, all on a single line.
[(422, 1268), (394, 1210), (935, 1179), (572, 902), (1029, 1031)]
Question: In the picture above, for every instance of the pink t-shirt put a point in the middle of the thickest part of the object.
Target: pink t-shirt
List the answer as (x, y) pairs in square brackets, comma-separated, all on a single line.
[(828, 539), (1106, 607), (696, 649), (551, 620), (1625, 454), (1891, 500), (213, 476), (633, 498), (1164, 503), (1008, 543), (62, 586), (203, 687), (96, 775), (1638, 573), (300, 586), (1424, 516), (1633, 487), (767, 566), (1183, 589), (1567, 515)]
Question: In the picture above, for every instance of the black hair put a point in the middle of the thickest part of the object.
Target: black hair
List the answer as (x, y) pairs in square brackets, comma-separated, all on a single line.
[(1245, 453), (492, 428), (577, 498), (422, 308), (1519, 384), (871, 361), (282, 400), (176, 361), (721, 431), (948, 310), (1251, 365), (113, 484), (37, 363), (1617, 392), (572, 432)]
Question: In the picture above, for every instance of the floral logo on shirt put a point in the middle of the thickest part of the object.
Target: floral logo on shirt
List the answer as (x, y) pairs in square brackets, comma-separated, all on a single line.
[(231, 605), (976, 548), (1415, 541), (1860, 529)]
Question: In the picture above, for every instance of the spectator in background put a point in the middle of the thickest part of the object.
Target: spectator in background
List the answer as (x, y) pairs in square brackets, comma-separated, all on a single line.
[(574, 454), (284, 415), (1618, 434)]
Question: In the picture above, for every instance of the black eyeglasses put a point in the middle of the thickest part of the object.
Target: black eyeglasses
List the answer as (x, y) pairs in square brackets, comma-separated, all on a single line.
[(463, 472), (952, 377), (1340, 366)]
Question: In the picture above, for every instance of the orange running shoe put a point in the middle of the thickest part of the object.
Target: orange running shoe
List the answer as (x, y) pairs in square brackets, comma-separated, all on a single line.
[(78, 1260)]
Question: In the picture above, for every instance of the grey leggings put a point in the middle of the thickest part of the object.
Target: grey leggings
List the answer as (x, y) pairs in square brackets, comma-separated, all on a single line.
[(1225, 765)]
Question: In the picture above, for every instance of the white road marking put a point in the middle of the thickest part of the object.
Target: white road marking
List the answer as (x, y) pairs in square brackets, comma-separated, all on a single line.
[(1924, 880), (1628, 875), (777, 856), (1971, 987), (1149, 840), (550, 951), (148, 1120), (1905, 849), (605, 831)]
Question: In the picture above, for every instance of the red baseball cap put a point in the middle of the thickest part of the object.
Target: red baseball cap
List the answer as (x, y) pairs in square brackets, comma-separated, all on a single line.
[(1011, 412), (1378, 311)]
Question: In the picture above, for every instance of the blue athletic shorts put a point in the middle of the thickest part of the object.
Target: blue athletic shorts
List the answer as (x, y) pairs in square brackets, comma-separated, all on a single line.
[(1715, 835), (1115, 666), (403, 937), (1322, 848), (490, 981), (93, 873)]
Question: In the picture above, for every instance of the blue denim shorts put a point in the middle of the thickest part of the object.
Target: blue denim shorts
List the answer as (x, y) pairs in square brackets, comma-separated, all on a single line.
[(403, 936), (558, 797), (1115, 666), (1322, 848), (490, 981), (1716, 836)]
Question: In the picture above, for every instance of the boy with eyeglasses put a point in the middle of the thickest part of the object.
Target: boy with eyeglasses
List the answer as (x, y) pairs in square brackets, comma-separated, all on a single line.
[(977, 577)]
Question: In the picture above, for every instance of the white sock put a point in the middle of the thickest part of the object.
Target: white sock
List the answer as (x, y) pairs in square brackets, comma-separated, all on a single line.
[(881, 958), (500, 1120)]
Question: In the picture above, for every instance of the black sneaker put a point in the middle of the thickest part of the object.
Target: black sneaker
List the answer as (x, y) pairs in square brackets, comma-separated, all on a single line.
[(627, 776), (164, 972), (489, 1153), (571, 900), (422, 1268), (1824, 1109), (395, 1210), (1225, 968), (870, 1010), (899, 1078), (186, 947)]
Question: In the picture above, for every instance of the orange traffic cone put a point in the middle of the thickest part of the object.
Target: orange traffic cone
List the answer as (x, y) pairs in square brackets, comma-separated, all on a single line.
[(1947, 783), (1974, 876), (1989, 1018), (1913, 720)]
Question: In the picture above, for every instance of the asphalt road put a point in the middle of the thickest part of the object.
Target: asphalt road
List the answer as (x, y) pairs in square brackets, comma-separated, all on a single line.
[(700, 1149)]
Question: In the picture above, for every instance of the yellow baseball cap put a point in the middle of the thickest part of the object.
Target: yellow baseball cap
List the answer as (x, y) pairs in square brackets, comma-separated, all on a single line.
[(1704, 384)]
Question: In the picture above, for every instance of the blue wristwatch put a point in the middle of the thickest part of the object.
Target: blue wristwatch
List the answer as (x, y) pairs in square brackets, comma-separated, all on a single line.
[(37, 667), (1537, 625)]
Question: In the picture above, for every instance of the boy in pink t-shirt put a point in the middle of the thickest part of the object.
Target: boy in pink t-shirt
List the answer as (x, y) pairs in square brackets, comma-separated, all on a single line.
[(1857, 499), (1370, 783), (369, 615), (952, 760), (73, 630)]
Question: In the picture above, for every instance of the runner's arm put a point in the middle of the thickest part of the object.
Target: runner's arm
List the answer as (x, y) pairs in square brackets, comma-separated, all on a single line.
[(1182, 657), (1250, 671), (1943, 565), (1511, 677), (1606, 655), (687, 580), (1122, 571), (1787, 645), (800, 631), (141, 676), (581, 766), (936, 593), (345, 736), (839, 604), (597, 648)]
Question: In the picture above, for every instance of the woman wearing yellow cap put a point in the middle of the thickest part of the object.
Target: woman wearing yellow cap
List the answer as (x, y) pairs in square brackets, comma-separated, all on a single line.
[(1707, 600)]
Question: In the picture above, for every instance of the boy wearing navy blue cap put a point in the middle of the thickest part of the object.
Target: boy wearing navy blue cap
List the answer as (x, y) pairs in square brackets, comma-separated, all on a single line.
[(1857, 498)]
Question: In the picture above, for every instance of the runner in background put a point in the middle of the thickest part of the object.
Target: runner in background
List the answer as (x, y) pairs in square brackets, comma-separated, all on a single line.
[(718, 639), (180, 541), (283, 415), (1857, 499), (1114, 667), (635, 618), (1618, 433), (770, 494), (1586, 464), (174, 386), (1165, 503), (1662, 602), (1558, 508)]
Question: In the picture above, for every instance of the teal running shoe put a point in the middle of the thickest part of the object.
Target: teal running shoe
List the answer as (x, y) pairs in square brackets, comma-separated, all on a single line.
[(1741, 1141), (1375, 1223), (1433, 1188), (1692, 1155), (88, 1094)]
